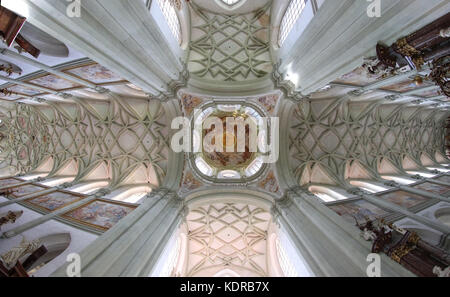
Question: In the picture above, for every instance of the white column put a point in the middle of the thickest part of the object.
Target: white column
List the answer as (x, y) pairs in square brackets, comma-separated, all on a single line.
[(132, 246), (119, 34), (330, 245), (341, 34)]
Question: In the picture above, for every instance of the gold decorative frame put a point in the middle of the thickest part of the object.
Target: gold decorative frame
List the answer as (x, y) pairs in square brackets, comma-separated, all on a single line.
[(97, 227), (81, 196)]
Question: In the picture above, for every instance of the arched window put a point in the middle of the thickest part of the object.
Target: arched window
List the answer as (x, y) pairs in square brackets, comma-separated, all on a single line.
[(402, 181), (285, 263), (89, 187), (171, 17), (226, 273), (326, 195), (423, 174), (369, 187), (171, 259), (230, 2), (134, 198), (439, 169), (291, 16)]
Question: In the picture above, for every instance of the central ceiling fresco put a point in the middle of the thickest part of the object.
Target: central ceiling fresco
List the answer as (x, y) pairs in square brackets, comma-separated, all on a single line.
[(230, 158)]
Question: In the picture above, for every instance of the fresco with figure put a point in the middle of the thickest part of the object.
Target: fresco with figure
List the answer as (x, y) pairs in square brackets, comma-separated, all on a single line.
[(434, 188), (54, 201), (404, 199), (100, 214), (26, 190), (358, 210)]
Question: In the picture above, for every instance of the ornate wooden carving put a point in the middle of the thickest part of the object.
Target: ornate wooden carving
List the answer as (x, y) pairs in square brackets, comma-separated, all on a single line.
[(10, 217), (427, 44), (406, 248), (20, 269), (27, 46), (10, 25), (441, 74)]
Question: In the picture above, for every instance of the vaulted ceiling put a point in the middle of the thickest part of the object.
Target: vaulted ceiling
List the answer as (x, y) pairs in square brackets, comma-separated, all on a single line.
[(117, 110)]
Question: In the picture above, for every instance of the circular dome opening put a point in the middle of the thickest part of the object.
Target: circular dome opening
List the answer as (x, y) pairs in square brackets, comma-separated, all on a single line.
[(226, 142)]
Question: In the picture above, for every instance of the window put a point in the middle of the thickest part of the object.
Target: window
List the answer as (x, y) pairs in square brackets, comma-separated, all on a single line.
[(229, 174), (285, 263), (171, 260), (171, 17), (203, 166), (402, 181), (423, 174), (326, 195), (254, 167), (432, 168), (230, 2), (291, 16), (134, 198), (368, 187)]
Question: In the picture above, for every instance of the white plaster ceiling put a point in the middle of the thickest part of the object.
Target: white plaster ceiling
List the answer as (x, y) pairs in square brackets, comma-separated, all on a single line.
[(228, 235), (238, 8)]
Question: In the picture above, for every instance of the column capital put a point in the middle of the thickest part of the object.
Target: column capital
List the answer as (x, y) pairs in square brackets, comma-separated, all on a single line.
[(392, 184), (357, 192), (38, 179), (64, 186), (102, 192), (162, 192), (417, 177)]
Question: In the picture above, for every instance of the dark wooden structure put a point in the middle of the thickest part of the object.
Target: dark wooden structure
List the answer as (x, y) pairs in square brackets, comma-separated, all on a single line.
[(20, 269), (407, 249), (10, 26), (430, 44)]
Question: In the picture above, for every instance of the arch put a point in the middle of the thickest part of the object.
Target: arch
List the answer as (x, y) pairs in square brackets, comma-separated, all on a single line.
[(203, 197), (316, 174), (45, 166), (69, 167), (230, 4), (355, 170)]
